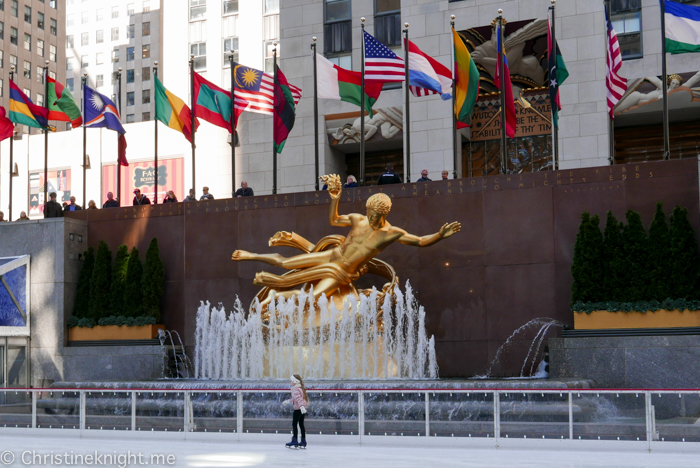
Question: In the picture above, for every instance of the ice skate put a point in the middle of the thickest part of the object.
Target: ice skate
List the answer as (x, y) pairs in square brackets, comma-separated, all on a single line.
[(293, 444)]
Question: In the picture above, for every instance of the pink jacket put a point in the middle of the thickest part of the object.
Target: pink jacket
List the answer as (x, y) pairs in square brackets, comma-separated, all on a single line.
[(298, 397)]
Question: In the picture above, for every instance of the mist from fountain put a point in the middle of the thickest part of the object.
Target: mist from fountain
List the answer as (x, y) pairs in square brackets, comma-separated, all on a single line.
[(317, 341), (183, 365)]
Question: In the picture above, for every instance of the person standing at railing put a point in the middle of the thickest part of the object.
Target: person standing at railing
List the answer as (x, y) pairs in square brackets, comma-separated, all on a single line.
[(299, 401)]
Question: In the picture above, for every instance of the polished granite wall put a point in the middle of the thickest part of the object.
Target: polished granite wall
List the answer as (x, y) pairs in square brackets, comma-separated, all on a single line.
[(511, 262)]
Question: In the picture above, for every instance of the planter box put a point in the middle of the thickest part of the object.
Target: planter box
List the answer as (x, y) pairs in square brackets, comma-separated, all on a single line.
[(606, 320), (114, 332)]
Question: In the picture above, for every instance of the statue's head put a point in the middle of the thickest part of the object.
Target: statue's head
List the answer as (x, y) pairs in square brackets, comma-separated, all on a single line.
[(378, 207)]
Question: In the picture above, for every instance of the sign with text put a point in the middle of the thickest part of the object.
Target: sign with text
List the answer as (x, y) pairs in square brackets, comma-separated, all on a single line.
[(59, 182), (533, 121), (142, 176)]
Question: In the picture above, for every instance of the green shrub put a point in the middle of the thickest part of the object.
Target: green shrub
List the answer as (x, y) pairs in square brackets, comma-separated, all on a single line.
[(153, 281), (587, 267), (636, 258), (100, 282), (121, 260), (82, 295), (685, 260), (613, 260), (659, 272), (133, 305)]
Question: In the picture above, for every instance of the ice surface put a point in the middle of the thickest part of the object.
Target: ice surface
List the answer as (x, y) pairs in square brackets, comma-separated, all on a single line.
[(321, 453)]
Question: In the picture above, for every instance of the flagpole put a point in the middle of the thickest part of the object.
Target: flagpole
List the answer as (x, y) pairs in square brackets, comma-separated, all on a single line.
[(193, 117), (84, 82), (119, 104), (313, 48), (667, 145), (501, 54), (454, 103), (555, 126), (407, 172), (12, 165), (274, 133), (46, 136), (611, 123), (362, 104), (155, 146), (233, 122)]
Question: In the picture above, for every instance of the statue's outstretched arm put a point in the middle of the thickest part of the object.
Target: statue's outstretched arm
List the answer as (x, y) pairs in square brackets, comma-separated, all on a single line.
[(446, 230), (335, 190)]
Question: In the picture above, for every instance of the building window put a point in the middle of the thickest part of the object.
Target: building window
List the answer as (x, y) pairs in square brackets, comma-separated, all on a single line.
[(40, 47), (54, 26), (131, 31), (53, 3), (27, 69), (99, 58), (230, 44), (626, 16), (129, 54), (115, 55), (146, 6), (100, 81), (230, 7), (2, 88), (387, 22), (84, 17), (70, 84), (99, 14), (84, 61), (130, 76), (40, 20), (52, 75), (198, 9), (27, 42), (146, 74), (28, 14), (40, 99), (268, 56), (14, 8), (27, 91), (52, 53), (13, 61), (130, 117), (99, 36), (2, 59), (13, 35), (145, 117), (146, 51), (199, 51), (85, 39), (70, 41), (115, 34), (2, 30), (130, 98), (40, 75), (130, 9), (69, 20), (145, 96), (115, 12), (271, 7), (146, 28), (337, 29)]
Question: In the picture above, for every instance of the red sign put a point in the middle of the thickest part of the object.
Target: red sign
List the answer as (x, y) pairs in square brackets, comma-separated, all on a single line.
[(141, 175)]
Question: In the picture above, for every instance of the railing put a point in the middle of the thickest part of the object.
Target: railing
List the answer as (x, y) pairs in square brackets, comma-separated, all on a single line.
[(647, 418)]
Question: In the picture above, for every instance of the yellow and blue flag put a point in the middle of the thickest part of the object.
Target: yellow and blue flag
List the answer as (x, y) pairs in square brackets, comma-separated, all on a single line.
[(24, 111)]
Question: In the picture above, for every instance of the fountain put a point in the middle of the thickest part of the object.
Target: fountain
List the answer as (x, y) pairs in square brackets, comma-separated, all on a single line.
[(360, 341), (181, 362)]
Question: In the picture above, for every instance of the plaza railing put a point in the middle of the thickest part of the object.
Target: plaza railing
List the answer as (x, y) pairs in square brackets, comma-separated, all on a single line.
[(646, 419)]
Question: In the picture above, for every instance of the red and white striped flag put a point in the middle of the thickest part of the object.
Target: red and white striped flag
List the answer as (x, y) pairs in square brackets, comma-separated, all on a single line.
[(255, 91), (381, 64), (617, 85)]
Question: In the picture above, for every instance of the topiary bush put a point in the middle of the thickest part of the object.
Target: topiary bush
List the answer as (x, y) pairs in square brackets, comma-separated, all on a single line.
[(116, 294), (82, 295), (587, 267), (685, 260), (613, 260), (636, 258), (153, 281), (100, 282), (133, 305), (659, 262)]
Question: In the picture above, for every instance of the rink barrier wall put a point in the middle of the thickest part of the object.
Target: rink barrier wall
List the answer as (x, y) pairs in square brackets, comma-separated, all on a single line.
[(507, 418)]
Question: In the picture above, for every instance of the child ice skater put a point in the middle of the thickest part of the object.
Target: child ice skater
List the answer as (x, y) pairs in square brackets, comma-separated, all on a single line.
[(300, 400)]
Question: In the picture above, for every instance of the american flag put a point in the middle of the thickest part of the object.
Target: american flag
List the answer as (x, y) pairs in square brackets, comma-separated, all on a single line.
[(617, 86), (381, 64), (255, 90)]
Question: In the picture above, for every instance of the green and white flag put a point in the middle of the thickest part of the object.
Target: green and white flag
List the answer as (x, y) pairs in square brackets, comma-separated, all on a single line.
[(682, 28)]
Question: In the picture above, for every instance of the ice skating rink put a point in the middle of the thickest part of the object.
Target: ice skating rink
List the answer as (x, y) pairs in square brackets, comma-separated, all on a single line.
[(46, 450)]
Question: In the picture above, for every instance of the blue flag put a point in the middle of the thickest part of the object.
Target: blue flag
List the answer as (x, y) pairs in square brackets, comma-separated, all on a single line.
[(101, 112)]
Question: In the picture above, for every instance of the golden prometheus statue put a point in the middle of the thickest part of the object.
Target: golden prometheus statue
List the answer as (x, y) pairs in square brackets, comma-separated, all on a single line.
[(335, 262)]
